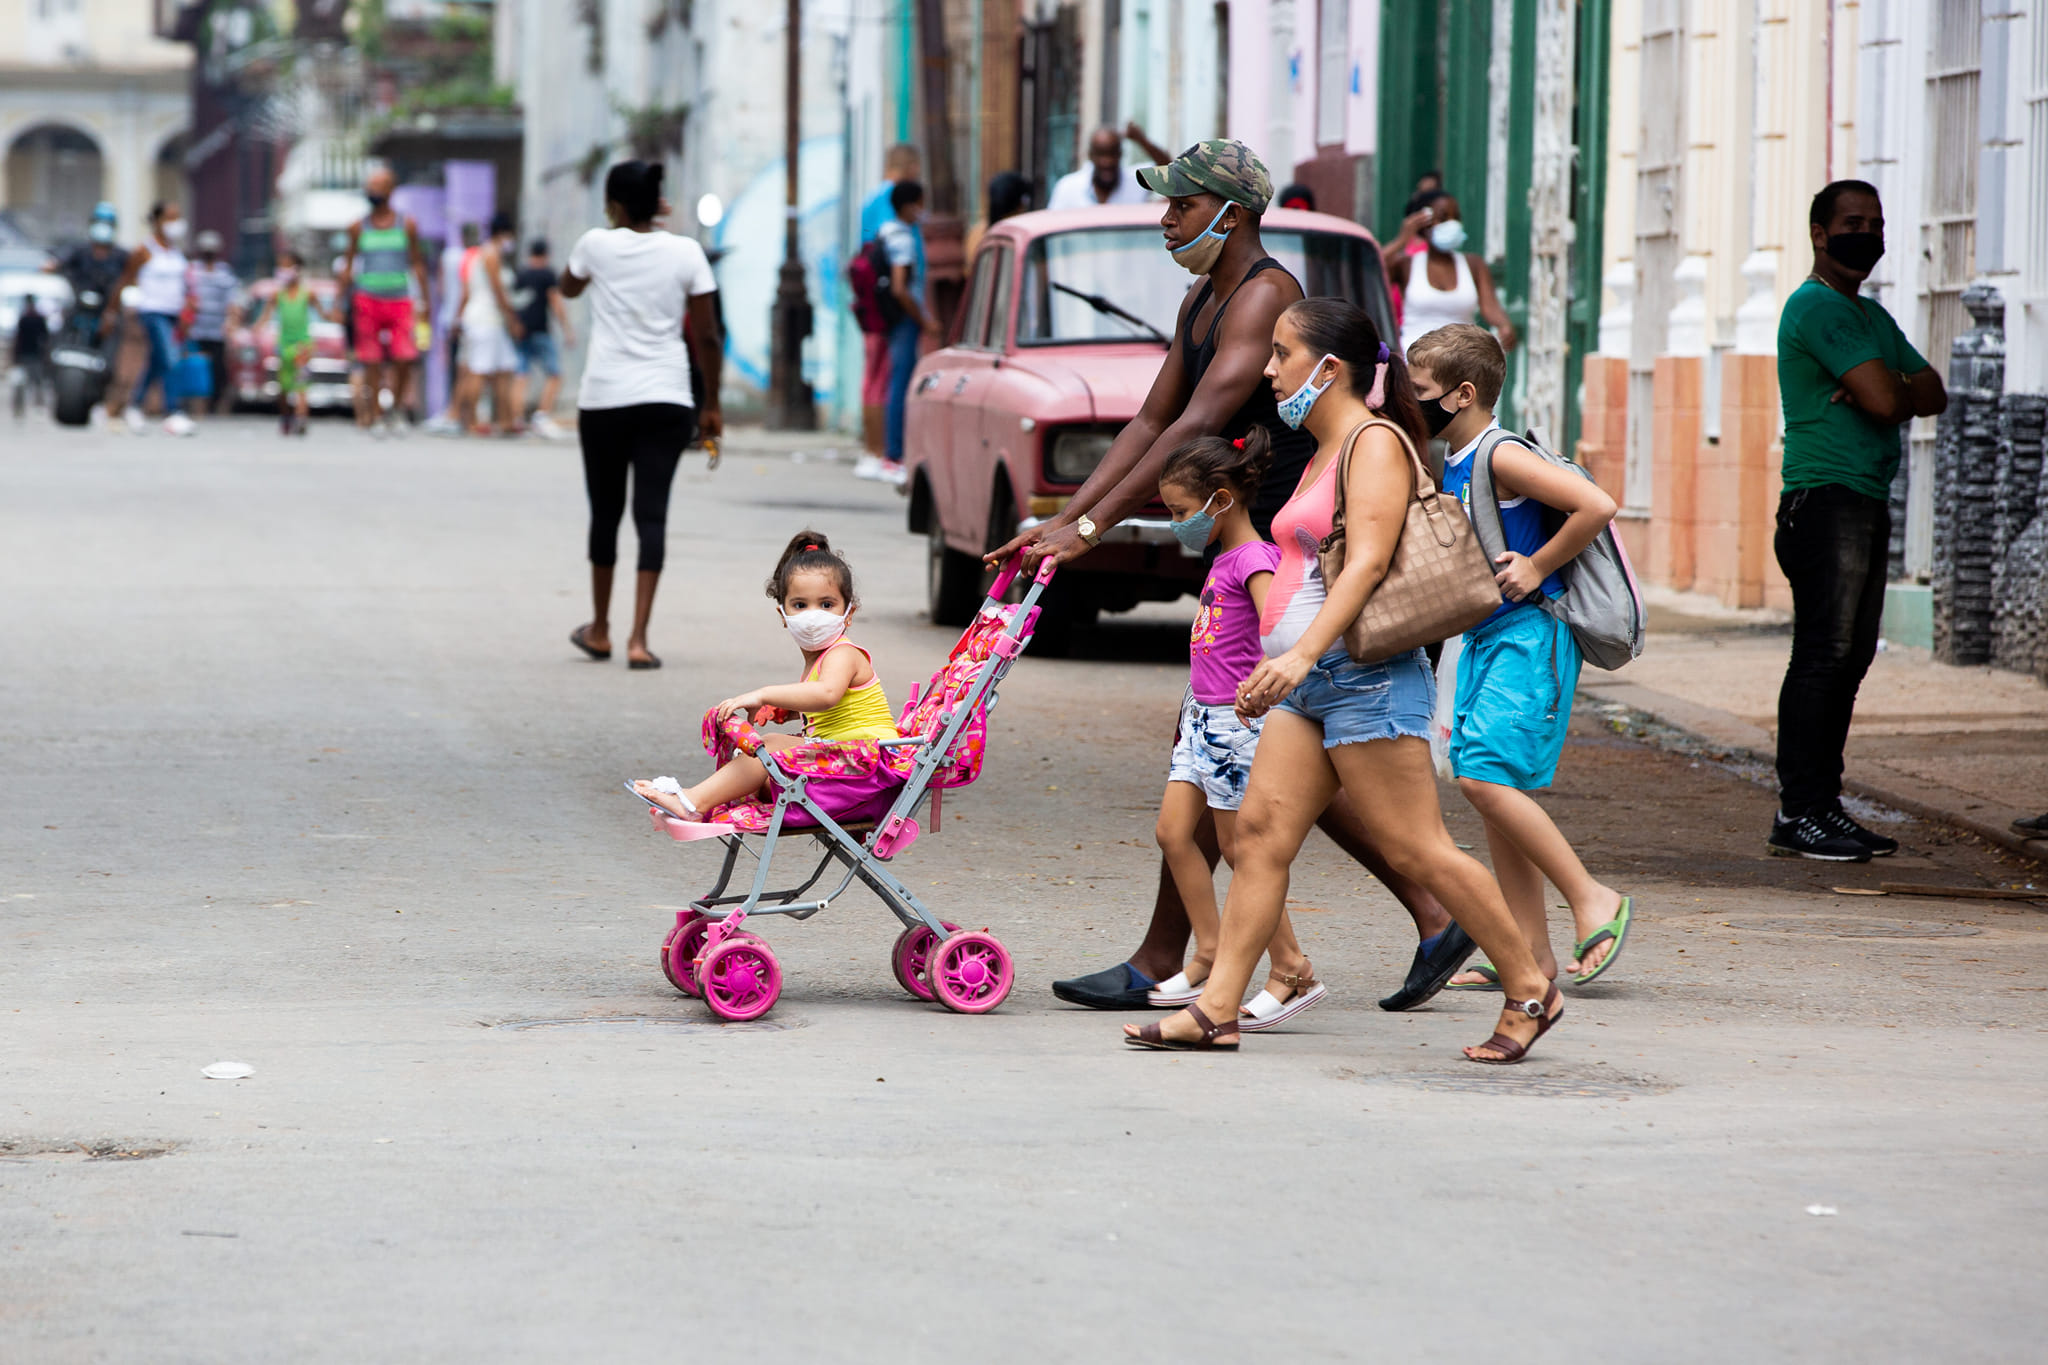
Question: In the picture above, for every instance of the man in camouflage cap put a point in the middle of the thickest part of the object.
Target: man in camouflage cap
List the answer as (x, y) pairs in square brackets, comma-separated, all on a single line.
[(1215, 192), (1221, 166)]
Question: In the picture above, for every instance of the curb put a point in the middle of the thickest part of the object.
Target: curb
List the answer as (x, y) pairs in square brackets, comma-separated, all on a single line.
[(1741, 739)]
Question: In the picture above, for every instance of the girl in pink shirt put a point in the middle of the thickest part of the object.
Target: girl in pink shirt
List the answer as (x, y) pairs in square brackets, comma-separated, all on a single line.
[(1208, 485)]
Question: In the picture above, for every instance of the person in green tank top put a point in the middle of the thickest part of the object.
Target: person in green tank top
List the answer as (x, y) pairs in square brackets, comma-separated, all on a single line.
[(383, 262), (295, 308)]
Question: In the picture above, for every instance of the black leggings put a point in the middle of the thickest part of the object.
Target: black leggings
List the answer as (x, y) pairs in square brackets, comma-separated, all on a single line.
[(647, 438)]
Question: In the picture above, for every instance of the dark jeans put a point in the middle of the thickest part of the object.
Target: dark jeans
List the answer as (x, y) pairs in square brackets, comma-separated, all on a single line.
[(1833, 545), (216, 353), (647, 439)]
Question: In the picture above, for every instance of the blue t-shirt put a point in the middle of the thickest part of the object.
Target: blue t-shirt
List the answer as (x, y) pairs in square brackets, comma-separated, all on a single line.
[(1521, 519)]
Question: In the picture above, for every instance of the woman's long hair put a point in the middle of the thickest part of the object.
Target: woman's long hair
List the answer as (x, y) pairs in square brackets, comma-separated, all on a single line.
[(1340, 328)]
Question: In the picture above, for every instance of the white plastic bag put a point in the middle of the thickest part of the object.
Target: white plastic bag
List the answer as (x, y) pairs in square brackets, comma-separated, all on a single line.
[(1446, 709)]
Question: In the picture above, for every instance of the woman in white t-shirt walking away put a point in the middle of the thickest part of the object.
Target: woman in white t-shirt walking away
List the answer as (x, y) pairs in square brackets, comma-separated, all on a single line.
[(635, 411), (1445, 284)]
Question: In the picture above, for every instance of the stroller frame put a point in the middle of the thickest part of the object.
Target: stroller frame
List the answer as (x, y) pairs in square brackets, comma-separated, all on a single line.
[(710, 931)]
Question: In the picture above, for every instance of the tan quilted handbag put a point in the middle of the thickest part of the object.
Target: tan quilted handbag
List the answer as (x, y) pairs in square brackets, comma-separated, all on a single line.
[(1438, 584)]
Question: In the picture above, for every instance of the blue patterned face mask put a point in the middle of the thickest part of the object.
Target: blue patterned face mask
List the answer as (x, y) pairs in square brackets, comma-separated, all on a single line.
[(1194, 533), (1294, 408)]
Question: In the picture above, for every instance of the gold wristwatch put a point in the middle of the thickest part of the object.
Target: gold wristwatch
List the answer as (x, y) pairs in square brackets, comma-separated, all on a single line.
[(1089, 531)]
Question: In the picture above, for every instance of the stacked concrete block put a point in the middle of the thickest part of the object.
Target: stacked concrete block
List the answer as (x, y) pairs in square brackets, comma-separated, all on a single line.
[(2019, 630), (1966, 484), (1895, 566)]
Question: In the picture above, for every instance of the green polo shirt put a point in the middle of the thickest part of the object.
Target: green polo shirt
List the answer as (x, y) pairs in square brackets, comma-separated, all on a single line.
[(1822, 335)]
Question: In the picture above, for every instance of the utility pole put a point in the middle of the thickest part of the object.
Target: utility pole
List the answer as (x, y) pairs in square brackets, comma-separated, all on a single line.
[(791, 405)]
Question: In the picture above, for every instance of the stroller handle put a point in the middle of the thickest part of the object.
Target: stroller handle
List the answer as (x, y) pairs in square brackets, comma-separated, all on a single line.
[(1012, 567)]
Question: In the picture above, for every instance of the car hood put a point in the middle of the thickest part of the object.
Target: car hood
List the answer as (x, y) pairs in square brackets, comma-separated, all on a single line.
[(1094, 383)]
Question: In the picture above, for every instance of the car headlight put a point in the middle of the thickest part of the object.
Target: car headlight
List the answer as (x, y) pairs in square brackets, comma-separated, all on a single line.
[(1076, 453)]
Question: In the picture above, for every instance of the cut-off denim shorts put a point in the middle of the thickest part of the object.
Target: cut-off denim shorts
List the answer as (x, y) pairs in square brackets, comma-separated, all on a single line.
[(1357, 703)]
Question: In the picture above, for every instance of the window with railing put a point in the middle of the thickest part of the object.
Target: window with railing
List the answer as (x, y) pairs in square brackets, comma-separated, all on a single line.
[(2036, 263), (1948, 233)]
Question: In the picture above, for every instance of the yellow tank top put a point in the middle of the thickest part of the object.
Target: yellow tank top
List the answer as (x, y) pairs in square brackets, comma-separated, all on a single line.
[(863, 713)]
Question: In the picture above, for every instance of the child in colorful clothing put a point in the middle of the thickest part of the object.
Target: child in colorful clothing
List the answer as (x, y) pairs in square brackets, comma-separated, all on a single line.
[(1520, 667), (1208, 486), (839, 697)]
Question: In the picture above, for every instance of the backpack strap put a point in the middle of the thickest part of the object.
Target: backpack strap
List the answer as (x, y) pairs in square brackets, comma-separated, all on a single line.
[(1484, 508)]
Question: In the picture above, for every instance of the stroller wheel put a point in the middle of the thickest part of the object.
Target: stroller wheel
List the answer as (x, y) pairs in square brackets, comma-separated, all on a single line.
[(740, 979), (971, 972), (911, 958), (679, 953)]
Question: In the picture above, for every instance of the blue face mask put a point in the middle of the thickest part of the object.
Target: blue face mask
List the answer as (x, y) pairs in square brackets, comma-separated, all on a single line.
[(1199, 256), (1194, 533), (1294, 408)]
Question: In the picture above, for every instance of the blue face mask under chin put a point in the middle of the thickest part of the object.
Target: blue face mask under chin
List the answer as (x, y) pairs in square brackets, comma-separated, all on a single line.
[(1294, 408), (1194, 533)]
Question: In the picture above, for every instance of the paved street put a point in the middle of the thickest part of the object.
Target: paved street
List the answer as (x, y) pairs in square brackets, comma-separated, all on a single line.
[(297, 769)]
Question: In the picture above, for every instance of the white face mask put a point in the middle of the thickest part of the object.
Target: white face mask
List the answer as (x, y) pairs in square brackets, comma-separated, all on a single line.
[(174, 231), (814, 629)]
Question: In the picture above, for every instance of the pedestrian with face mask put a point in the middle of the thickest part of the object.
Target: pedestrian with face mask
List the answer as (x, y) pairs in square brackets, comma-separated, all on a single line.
[(1444, 284), (380, 268), (214, 286), (1849, 379), (1211, 383), (160, 272), (491, 327)]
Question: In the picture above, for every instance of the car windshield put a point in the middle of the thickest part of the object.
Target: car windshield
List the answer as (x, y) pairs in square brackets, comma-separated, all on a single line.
[(1127, 267)]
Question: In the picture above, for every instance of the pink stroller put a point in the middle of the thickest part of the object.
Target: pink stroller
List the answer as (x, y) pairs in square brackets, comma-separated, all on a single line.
[(860, 801)]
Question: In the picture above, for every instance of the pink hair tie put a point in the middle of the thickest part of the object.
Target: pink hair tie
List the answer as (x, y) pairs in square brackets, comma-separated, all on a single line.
[(1378, 395)]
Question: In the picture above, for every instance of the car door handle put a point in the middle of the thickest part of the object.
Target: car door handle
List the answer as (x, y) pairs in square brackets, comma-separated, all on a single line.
[(927, 382), (959, 383)]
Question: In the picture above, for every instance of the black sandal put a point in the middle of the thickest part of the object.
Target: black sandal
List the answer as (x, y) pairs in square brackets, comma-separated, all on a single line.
[(579, 637), (1510, 1050), (652, 660), (1150, 1037)]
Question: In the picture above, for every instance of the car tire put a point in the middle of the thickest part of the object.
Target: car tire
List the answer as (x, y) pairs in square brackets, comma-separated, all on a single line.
[(952, 579), (73, 391)]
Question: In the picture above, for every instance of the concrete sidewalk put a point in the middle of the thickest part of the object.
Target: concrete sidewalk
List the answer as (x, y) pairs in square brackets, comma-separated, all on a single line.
[(1964, 746)]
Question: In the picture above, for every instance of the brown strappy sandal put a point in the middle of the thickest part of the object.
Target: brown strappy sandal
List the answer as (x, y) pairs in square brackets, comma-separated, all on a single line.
[(1510, 1050), (1150, 1037)]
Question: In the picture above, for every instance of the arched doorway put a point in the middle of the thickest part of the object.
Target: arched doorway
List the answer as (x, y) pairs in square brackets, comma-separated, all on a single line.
[(55, 174), (170, 185)]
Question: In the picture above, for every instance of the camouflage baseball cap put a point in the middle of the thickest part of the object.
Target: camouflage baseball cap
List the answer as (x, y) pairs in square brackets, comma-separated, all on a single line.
[(1222, 166)]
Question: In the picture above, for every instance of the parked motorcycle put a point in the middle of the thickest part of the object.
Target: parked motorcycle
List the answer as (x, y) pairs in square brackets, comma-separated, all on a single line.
[(80, 360)]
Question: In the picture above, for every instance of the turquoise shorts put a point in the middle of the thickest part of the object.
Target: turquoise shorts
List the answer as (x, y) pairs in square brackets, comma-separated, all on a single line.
[(1516, 680)]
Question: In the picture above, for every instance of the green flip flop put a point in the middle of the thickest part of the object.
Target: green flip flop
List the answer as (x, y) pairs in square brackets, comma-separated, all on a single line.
[(1615, 931), (1485, 969)]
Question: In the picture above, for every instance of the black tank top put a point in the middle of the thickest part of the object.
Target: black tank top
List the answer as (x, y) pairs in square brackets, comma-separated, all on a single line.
[(1292, 450)]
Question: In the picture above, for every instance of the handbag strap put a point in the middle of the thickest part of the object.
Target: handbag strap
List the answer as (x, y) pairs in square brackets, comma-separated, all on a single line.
[(1425, 487)]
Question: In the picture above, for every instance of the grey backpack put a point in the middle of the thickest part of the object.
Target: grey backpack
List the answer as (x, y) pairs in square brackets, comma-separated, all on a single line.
[(1601, 602)]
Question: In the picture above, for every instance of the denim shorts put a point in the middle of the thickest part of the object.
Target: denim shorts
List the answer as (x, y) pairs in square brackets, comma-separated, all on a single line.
[(1357, 703), (1214, 752), (537, 350)]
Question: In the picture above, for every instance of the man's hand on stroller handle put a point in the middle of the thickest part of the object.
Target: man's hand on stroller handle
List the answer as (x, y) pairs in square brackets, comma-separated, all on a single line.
[(1061, 544)]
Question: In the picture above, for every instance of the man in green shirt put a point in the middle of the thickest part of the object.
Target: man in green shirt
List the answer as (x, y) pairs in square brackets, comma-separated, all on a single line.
[(1849, 379)]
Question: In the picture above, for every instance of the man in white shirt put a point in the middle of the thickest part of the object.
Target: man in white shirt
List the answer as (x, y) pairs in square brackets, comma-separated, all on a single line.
[(1103, 180)]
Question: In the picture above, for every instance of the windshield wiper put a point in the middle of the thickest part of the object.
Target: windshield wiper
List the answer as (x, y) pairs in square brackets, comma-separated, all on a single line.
[(1103, 305)]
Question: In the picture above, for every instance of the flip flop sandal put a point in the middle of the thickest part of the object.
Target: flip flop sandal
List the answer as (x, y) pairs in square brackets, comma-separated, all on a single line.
[(1269, 1011), (578, 638), (1213, 1035), (1485, 969), (1174, 992), (651, 661), (1512, 1052), (1615, 931)]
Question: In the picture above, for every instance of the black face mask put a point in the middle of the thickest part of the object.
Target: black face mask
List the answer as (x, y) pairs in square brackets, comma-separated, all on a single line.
[(378, 201), (1436, 416), (1856, 250)]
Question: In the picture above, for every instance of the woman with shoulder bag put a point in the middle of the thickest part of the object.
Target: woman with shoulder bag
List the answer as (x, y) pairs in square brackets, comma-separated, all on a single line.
[(1406, 556)]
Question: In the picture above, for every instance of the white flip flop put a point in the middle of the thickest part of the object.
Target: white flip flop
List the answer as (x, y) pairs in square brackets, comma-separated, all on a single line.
[(1174, 992), (1266, 1012)]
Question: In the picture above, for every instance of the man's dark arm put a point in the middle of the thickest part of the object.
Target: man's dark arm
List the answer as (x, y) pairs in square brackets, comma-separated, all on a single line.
[(1879, 393), (1929, 395)]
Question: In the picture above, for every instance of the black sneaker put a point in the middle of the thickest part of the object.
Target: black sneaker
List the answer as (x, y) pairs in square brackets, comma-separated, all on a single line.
[(2033, 827), (1835, 820), (1807, 837)]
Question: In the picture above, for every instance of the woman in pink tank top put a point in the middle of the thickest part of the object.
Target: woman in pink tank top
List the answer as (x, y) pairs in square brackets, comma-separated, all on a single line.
[(1331, 721)]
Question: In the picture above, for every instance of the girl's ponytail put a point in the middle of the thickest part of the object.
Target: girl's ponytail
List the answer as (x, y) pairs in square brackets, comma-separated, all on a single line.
[(1208, 463), (809, 551)]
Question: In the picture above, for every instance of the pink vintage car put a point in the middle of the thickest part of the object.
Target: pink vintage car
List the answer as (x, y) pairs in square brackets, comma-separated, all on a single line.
[(1059, 335)]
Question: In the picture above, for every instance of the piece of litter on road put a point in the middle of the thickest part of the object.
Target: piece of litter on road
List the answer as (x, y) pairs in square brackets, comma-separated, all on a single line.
[(380, 1139), (1856, 891), (1822, 1210), (228, 1071), (193, 1232)]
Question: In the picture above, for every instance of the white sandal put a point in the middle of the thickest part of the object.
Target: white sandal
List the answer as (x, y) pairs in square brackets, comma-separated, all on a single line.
[(1175, 992), (1268, 1011)]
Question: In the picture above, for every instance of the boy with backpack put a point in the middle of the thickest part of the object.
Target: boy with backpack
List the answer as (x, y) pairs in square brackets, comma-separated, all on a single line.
[(1520, 667)]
